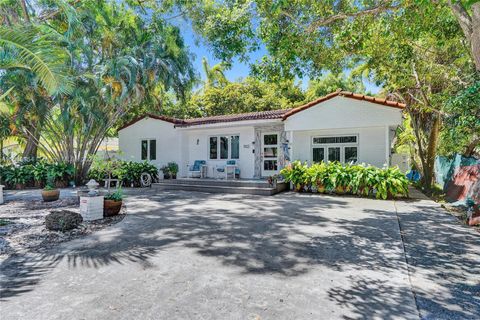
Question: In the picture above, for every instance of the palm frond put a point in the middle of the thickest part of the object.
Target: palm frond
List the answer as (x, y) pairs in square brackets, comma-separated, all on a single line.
[(38, 51)]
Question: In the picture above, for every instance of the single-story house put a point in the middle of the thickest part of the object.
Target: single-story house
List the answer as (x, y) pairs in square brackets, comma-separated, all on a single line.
[(341, 126)]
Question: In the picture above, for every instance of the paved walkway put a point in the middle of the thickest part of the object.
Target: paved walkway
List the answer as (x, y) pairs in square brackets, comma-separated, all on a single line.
[(291, 256)]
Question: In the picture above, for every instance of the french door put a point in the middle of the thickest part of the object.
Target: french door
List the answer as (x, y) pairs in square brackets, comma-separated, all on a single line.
[(269, 154)]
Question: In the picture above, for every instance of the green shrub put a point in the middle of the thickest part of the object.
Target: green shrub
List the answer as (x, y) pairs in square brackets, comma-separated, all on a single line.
[(34, 173), (356, 179), (127, 171)]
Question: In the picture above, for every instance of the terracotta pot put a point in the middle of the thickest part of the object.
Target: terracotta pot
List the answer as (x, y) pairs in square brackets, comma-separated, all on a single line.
[(340, 190), (111, 207), (320, 188), (50, 195), (299, 188)]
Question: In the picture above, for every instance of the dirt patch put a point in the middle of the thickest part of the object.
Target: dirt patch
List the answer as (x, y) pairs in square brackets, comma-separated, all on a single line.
[(22, 225)]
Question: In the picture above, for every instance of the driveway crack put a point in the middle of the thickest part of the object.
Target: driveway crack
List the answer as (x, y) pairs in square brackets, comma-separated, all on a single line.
[(409, 273)]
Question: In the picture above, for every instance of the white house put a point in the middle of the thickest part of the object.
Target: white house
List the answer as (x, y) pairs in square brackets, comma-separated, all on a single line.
[(341, 126)]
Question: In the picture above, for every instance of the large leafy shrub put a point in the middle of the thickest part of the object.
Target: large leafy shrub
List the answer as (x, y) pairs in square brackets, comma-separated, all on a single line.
[(127, 171), (356, 179), (30, 173)]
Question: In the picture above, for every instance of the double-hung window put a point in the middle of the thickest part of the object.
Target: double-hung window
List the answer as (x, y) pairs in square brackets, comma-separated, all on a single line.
[(149, 149), (335, 148), (224, 147)]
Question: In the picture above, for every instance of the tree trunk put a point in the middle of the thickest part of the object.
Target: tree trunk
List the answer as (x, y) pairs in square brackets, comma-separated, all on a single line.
[(475, 41), (428, 171), (470, 26), (31, 148), (470, 148)]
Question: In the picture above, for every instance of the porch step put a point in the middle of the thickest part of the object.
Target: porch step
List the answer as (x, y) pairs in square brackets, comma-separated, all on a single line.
[(218, 182), (235, 187)]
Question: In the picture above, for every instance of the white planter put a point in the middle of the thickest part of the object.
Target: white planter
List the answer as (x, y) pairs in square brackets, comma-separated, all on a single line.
[(91, 208), (1, 194)]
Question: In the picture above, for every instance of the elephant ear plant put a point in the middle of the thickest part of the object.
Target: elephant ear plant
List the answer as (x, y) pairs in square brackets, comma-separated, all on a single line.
[(296, 173)]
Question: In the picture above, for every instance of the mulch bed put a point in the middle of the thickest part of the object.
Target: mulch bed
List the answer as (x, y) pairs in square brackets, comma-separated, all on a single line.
[(22, 225)]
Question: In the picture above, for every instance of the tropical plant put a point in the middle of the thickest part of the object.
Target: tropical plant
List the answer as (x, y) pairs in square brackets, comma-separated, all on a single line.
[(358, 179), (36, 49), (296, 173), (117, 195)]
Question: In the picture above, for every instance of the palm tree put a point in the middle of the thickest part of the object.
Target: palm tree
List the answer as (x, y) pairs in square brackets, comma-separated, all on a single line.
[(32, 48), (215, 76)]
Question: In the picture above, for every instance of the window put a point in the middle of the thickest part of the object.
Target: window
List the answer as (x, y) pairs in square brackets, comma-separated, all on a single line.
[(335, 148), (270, 139), (235, 142), (334, 154), (318, 154), (224, 147), (149, 149), (153, 149), (213, 147), (351, 154), (334, 140)]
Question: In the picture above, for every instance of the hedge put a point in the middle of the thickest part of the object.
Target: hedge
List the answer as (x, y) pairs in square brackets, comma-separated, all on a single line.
[(334, 177)]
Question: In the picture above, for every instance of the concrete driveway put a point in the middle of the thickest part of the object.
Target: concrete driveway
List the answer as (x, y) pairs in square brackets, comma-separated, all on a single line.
[(202, 256)]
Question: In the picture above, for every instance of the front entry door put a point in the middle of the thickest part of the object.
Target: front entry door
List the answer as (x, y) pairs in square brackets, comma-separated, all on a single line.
[(269, 154)]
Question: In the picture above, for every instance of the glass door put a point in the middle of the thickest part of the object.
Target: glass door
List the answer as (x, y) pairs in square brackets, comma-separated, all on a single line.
[(269, 154)]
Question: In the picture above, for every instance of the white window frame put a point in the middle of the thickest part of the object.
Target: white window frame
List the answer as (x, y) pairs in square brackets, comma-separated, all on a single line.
[(335, 145), (148, 149), (229, 136)]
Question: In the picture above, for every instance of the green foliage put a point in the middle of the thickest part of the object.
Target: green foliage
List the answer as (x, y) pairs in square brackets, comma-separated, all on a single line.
[(461, 132), (330, 83), (247, 96), (36, 49), (127, 171), (171, 169), (117, 195), (33, 172), (356, 179)]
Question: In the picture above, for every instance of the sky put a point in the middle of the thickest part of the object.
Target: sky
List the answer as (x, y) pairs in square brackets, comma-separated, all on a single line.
[(238, 69)]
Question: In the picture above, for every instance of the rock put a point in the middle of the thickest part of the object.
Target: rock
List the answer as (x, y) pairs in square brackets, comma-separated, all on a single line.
[(62, 220)]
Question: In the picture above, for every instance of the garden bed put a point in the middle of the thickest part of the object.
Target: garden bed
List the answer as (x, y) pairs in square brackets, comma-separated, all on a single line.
[(22, 225)]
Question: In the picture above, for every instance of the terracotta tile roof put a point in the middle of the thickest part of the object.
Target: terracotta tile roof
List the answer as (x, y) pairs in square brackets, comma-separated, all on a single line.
[(262, 115), (148, 115), (265, 115), (345, 94)]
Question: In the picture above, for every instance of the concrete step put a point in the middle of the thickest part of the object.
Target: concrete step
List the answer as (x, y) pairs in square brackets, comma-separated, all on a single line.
[(218, 182), (215, 188)]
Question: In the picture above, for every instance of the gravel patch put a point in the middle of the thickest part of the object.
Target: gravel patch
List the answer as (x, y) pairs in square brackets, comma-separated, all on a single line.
[(22, 225)]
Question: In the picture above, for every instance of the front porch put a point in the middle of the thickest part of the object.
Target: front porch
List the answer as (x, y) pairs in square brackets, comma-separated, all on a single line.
[(210, 185)]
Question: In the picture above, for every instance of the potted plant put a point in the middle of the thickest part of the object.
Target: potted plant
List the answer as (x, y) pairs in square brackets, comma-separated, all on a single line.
[(112, 203), (50, 192), (173, 169), (166, 172)]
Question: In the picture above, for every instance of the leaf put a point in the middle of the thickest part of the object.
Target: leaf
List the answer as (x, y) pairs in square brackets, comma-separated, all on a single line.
[(31, 48)]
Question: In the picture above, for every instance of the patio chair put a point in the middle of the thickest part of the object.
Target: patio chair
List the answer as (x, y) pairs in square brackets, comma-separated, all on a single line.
[(223, 169), (195, 171)]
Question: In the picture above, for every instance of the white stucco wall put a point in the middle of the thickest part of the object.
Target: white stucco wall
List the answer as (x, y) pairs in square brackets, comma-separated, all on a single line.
[(341, 112), (343, 116), (168, 141), (193, 151), (371, 144)]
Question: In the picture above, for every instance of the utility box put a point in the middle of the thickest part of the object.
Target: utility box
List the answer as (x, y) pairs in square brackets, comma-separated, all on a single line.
[(1, 194), (91, 208)]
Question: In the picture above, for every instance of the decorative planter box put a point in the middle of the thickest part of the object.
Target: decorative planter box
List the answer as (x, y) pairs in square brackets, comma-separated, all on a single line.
[(91, 208)]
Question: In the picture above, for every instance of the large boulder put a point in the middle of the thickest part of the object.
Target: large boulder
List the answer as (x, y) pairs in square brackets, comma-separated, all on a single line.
[(62, 220)]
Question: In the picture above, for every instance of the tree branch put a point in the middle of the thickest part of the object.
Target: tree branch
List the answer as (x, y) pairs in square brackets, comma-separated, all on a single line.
[(342, 16)]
